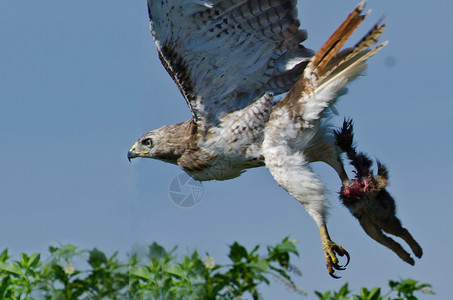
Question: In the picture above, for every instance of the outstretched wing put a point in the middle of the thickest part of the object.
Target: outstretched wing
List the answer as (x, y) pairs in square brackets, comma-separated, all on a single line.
[(224, 54)]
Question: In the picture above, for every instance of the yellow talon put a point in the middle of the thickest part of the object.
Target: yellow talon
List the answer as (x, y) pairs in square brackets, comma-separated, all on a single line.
[(330, 248)]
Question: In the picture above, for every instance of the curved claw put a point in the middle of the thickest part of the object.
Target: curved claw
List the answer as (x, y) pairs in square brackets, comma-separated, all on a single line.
[(348, 259), (331, 250), (338, 267), (334, 276)]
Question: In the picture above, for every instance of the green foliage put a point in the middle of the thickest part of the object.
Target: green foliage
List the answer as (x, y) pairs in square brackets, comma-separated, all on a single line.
[(158, 274), (196, 278), (70, 273), (399, 290)]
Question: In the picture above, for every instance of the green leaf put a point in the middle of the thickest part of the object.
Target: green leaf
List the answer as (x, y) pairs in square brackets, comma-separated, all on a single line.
[(11, 268), (53, 249), (283, 260), (157, 251), (237, 252), (34, 260), (141, 273), (254, 250), (375, 294), (344, 291), (364, 293), (97, 258), (4, 256), (286, 246), (261, 266), (67, 251), (324, 296), (24, 259), (174, 270)]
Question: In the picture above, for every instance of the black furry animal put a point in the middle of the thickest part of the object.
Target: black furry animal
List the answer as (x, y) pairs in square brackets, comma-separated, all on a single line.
[(368, 200)]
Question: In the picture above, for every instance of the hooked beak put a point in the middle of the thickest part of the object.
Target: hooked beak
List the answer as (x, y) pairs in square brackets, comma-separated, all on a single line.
[(131, 153)]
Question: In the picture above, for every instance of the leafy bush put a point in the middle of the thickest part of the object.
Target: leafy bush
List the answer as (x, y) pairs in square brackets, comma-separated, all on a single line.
[(69, 273), (404, 290), (156, 275), (195, 278)]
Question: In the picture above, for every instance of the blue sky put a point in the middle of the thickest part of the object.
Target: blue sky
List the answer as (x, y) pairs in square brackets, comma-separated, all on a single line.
[(80, 81)]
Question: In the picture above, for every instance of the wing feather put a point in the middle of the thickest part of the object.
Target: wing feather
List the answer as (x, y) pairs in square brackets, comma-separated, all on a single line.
[(225, 54)]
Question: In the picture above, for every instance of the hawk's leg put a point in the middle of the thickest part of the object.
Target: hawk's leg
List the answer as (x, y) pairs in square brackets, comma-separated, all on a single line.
[(292, 172)]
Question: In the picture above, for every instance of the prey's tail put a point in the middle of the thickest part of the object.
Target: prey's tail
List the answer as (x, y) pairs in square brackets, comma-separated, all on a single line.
[(331, 69)]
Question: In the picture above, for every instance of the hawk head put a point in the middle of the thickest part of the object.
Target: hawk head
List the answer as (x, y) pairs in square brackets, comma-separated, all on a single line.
[(167, 143)]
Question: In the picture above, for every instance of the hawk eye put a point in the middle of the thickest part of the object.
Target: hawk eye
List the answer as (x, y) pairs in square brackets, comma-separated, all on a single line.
[(147, 142)]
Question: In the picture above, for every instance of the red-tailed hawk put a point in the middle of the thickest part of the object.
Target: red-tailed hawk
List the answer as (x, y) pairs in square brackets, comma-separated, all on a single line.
[(232, 61)]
